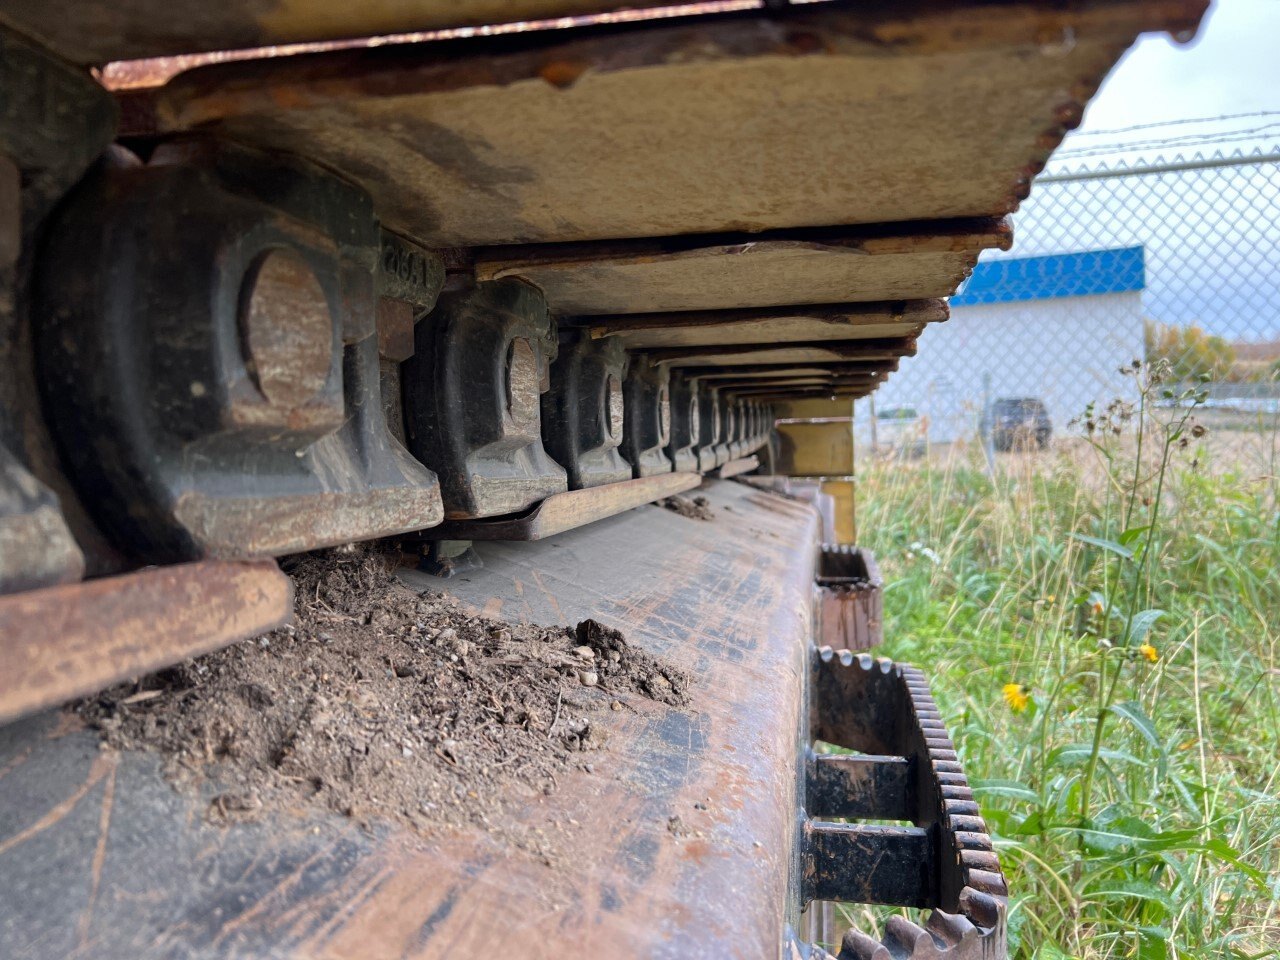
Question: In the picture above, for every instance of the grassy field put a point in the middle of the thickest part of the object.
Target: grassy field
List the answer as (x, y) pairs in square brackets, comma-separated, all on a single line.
[(1100, 622)]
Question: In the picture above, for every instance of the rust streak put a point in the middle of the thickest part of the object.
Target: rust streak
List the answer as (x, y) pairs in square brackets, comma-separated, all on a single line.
[(14, 762), (102, 764), (100, 851), (551, 597), (280, 889)]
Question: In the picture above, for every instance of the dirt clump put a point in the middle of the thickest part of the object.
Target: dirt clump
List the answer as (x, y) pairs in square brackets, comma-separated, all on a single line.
[(695, 508), (379, 702)]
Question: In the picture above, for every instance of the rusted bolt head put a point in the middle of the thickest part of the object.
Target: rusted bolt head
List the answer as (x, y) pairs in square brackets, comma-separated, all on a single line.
[(286, 329), (522, 382), (664, 415), (613, 408)]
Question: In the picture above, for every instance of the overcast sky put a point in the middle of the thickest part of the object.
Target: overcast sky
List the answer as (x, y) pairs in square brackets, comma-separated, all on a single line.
[(1231, 67), (1212, 237)]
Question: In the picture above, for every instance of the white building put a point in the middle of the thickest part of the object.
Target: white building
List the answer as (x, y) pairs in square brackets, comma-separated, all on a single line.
[(1056, 328)]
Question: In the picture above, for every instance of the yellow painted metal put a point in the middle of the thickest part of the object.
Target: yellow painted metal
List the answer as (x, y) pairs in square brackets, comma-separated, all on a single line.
[(816, 449), (817, 409), (847, 114), (846, 514)]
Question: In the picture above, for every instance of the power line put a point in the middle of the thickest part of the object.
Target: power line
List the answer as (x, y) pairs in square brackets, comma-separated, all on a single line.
[(1215, 146), (1206, 138), (1172, 123)]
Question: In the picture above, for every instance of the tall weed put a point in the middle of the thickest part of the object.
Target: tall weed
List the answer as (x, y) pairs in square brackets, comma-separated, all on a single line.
[(1100, 626)]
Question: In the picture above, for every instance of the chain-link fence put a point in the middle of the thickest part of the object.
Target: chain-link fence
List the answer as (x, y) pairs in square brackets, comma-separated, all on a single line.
[(1173, 259)]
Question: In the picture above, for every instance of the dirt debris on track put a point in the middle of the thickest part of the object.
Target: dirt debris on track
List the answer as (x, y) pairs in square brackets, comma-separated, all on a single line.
[(695, 508), (381, 703)]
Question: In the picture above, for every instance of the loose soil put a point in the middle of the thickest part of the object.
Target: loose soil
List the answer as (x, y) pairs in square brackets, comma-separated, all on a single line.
[(378, 702), (695, 508)]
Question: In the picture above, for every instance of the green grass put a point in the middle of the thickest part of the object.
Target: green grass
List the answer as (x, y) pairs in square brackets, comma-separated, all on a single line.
[(1134, 802)]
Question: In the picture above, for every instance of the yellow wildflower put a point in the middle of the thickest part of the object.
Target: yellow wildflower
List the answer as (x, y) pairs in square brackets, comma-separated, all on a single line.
[(1150, 652), (1017, 696), (1051, 598)]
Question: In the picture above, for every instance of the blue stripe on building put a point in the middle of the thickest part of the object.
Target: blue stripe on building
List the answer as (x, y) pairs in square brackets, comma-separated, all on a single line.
[(1012, 279)]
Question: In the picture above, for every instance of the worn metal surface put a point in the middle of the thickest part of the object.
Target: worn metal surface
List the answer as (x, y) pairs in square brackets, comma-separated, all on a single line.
[(786, 354), (686, 422), (771, 325), (66, 641), (647, 416), (54, 120), (859, 863), (226, 377), (583, 417), (464, 144), (944, 936), (737, 467), (859, 786), (36, 547), (775, 268), (409, 273), (127, 29), (802, 489), (824, 379), (728, 427), (565, 511), (711, 451), (883, 708), (850, 598), (473, 398), (101, 856)]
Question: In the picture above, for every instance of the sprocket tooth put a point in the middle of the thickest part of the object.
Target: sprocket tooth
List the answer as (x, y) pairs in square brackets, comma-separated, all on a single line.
[(981, 908), (953, 929), (971, 840), (856, 945), (984, 860), (988, 882), (908, 940)]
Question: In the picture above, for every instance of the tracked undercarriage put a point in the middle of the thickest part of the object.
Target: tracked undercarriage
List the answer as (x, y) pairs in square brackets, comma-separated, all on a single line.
[(486, 290)]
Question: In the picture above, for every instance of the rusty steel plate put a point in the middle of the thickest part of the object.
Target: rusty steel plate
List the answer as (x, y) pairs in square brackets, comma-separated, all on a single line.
[(102, 857), (128, 29), (786, 354), (70, 640), (564, 511), (826, 114), (736, 467), (767, 270), (773, 325), (850, 598)]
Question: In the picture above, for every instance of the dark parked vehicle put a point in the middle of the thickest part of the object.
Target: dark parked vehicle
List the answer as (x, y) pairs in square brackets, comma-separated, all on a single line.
[(1017, 421)]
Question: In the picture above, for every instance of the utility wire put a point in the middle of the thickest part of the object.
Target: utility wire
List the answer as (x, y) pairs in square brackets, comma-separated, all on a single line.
[(1208, 137), (1173, 123), (1199, 147)]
